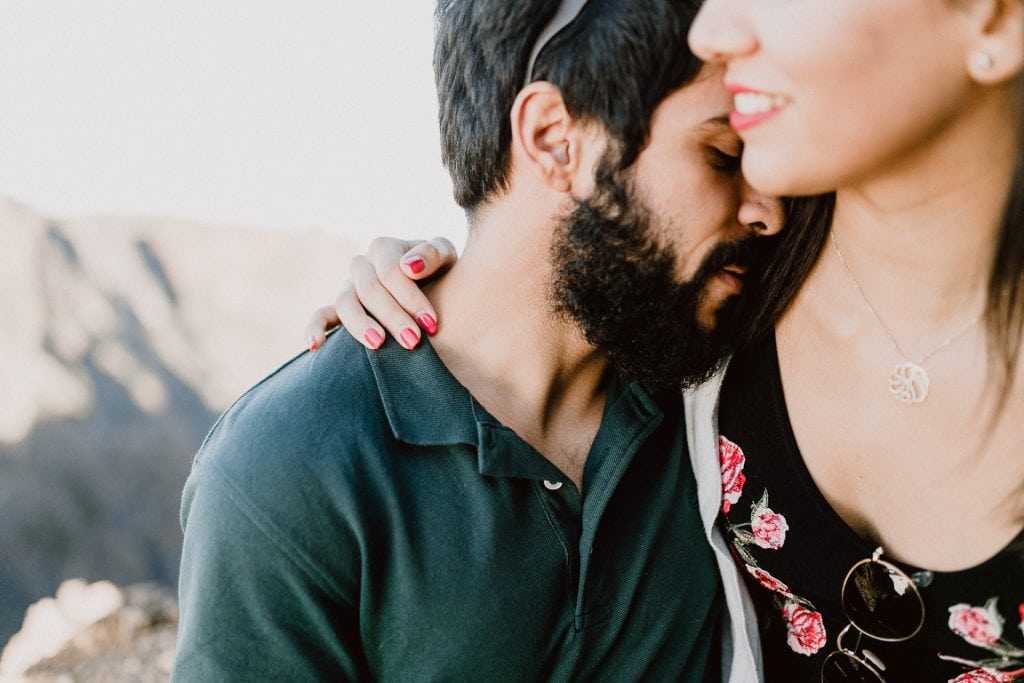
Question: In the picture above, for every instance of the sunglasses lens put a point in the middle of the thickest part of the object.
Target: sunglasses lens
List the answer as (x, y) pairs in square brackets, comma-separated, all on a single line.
[(882, 602), (839, 667)]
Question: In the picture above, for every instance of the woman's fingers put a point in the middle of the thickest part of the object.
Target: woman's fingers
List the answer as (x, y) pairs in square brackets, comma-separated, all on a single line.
[(381, 296), (324, 319), (424, 259), (394, 270), (361, 326), (375, 299), (389, 250)]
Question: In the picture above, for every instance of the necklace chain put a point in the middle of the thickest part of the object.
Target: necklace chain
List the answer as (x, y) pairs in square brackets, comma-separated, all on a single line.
[(909, 381)]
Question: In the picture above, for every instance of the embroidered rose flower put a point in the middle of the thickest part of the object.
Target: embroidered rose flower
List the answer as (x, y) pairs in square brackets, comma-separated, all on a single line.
[(981, 626), (980, 676), (768, 581), (769, 527), (733, 478), (806, 630)]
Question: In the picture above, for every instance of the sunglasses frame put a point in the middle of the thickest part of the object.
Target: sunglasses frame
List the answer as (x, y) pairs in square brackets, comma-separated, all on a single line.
[(892, 569), (869, 660)]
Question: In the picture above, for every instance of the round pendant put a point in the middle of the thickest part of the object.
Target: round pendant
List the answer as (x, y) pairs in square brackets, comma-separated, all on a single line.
[(909, 383)]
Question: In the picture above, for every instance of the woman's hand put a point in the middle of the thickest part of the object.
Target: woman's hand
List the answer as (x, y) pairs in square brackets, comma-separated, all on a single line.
[(382, 287)]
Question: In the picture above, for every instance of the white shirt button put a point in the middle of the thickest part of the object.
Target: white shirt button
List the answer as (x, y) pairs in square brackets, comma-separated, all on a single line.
[(552, 485)]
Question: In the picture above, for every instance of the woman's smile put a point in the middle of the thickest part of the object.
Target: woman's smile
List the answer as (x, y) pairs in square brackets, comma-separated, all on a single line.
[(751, 107)]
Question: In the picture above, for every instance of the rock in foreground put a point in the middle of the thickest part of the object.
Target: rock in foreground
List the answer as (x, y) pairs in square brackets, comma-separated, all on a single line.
[(95, 632)]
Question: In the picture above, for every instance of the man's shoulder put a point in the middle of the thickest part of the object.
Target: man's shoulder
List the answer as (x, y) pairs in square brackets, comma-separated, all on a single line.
[(293, 457), (273, 522), (315, 405)]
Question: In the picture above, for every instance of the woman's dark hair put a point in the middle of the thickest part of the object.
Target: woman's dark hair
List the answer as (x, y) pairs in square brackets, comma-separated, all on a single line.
[(614, 63), (793, 253), (1004, 311)]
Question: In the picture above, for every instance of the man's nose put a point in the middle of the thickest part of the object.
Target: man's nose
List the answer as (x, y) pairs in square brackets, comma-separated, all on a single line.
[(762, 214)]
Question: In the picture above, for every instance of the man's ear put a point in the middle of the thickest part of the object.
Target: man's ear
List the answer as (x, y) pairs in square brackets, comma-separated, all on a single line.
[(996, 50), (546, 139)]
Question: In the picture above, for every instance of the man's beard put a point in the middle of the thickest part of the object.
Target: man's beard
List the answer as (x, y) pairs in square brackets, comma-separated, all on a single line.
[(615, 277)]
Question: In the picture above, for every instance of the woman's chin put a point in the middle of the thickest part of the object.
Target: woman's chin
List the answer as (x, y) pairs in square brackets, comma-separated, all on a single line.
[(779, 174)]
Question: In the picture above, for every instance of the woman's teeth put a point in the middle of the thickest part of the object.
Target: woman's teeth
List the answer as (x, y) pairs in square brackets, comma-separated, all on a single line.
[(749, 103)]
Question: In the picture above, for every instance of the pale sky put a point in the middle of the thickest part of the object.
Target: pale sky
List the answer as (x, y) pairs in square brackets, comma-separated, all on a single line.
[(302, 114)]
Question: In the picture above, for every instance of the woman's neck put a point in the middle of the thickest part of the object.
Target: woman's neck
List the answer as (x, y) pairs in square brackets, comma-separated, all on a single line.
[(919, 237)]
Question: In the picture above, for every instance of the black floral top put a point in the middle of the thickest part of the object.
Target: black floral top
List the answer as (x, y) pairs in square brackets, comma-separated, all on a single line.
[(795, 551)]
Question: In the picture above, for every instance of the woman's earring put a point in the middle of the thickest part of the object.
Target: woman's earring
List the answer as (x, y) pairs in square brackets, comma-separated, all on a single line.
[(982, 61)]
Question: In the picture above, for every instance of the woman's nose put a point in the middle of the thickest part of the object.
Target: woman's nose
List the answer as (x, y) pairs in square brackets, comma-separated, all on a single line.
[(719, 32)]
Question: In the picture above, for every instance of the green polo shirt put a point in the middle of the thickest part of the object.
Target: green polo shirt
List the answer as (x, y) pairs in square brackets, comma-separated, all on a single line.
[(359, 516)]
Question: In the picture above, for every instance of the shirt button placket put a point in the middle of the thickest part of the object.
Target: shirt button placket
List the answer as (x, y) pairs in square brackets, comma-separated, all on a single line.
[(562, 504)]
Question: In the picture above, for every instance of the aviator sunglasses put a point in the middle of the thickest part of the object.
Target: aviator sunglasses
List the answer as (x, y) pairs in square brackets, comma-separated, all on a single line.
[(882, 603)]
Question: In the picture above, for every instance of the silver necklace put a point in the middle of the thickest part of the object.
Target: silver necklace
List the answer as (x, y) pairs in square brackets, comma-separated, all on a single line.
[(908, 381)]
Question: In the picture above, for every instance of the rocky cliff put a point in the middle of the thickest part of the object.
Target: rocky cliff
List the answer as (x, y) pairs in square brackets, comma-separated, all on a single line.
[(121, 340)]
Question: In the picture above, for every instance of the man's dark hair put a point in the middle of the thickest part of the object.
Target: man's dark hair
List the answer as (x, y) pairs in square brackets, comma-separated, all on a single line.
[(614, 64)]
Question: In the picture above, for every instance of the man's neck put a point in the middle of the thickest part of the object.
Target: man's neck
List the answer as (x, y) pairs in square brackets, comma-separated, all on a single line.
[(498, 335)]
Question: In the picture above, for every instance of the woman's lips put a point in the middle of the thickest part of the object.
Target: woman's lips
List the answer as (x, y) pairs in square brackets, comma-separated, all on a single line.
[(751, 107)]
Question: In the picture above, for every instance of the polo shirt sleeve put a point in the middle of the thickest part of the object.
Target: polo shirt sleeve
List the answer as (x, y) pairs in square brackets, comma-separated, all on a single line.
[(254, 605)]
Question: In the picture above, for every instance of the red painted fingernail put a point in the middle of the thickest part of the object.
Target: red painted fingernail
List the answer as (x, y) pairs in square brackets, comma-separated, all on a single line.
[(428, 323), (416, 265), (313, 345), (409, 338), (373, 338)]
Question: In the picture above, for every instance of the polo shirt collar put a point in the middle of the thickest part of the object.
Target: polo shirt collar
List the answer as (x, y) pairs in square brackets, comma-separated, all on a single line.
[(426, 406), (424, 403)]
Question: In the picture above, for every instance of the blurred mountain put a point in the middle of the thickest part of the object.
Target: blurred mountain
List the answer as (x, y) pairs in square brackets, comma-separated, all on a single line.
[(121, 340)]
